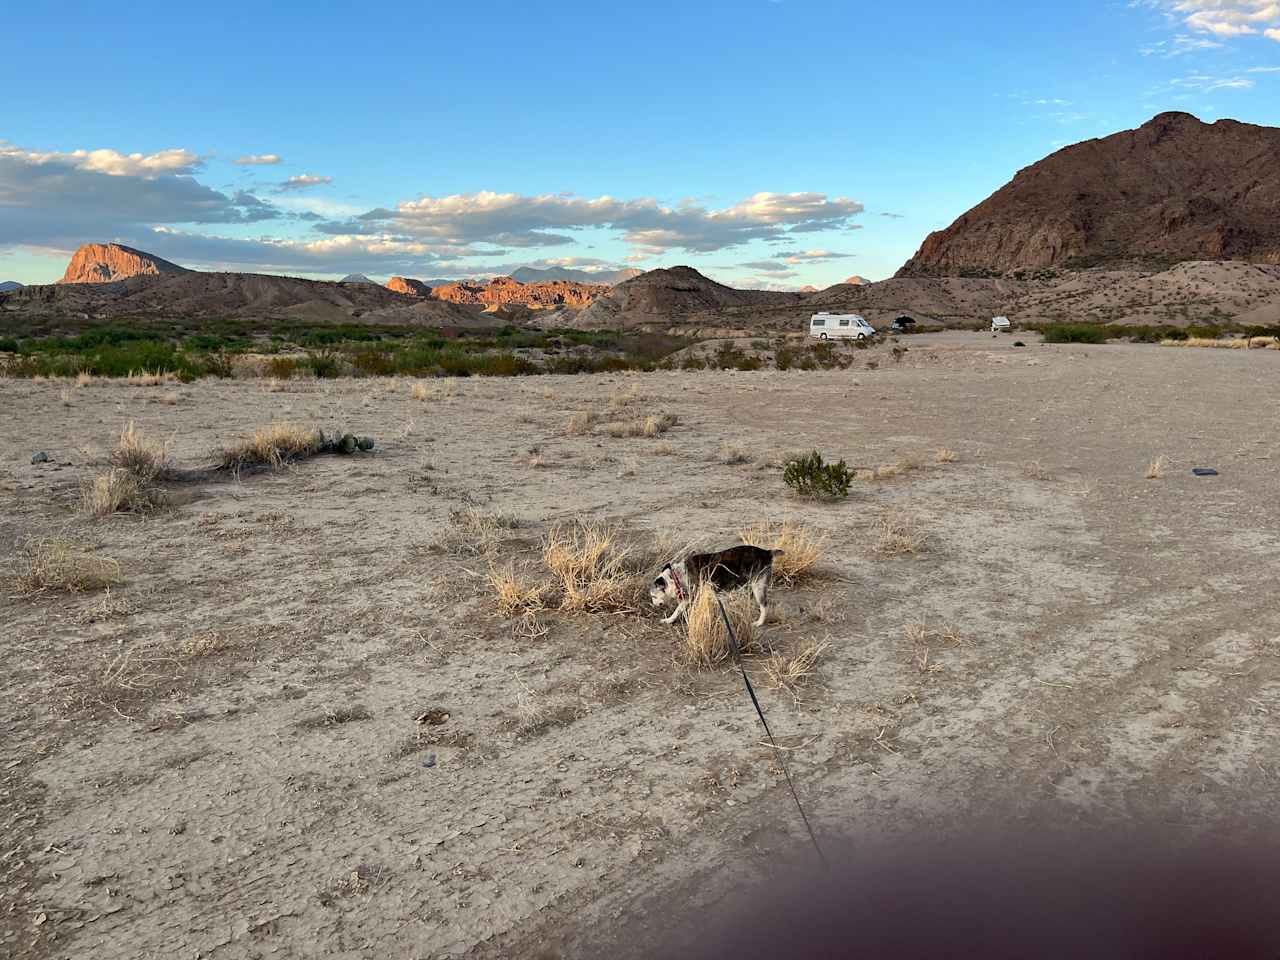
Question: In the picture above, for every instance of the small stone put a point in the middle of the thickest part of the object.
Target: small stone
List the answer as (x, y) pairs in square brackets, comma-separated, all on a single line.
[(429, 760), (40, 457)]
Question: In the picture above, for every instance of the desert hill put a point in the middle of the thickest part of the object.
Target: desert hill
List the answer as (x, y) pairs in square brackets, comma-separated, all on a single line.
[(105, 262), (356, 278), (7, 285), (673, 294), (197, 294), (506, 290), (607, 277), (1175, 189), (409, 287)]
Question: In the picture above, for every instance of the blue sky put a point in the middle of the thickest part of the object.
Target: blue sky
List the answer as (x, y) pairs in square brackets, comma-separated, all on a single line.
[(768, 143)]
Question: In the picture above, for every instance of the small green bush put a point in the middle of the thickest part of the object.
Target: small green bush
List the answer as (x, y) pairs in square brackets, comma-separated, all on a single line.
[(8, 345), (324, 365), (810, 476), (1075, 333)]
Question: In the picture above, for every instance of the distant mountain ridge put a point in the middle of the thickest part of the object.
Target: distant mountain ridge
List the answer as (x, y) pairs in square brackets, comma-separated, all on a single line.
[(608, 277), (7, 285), (506, 290), (1173, 190)]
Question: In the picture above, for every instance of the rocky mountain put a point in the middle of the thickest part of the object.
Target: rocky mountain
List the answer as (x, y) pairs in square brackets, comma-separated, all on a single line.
[(7, 285), (105, 262), (608, 277), (673, 295), (1175, 189), (856, 280), (195, 294), (355, 278), (506, 290), (409, 287)]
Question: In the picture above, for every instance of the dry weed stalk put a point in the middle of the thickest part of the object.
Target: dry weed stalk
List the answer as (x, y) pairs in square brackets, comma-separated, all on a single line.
[(791, 673), (898, 535), (272, 446)]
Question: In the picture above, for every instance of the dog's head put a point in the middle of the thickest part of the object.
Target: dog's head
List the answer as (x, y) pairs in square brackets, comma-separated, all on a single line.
[(663, 587)]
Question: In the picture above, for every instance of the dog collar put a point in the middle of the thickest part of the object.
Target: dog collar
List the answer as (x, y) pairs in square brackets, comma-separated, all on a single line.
[(675, 580)]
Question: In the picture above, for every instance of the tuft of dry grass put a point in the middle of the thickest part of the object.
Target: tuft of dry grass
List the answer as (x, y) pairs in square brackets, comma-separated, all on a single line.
[(514, 594), (84, 378), (115, 491), (898, 535), (170, 399), (591, 568), (1035, 470), (52, 563), (145, 460), (731, 454), (664, 449), (145, 378), (580, 423), (706, 641), (272, 446), (945, 456), (1232, 344), (1155, 469), (900, 466), (653, 425), (792, 673), (801, 547), (477, 532), (206, 644), (419, 391)]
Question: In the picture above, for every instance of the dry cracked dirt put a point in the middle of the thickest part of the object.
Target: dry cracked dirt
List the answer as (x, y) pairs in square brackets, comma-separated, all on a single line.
[(301, 726)]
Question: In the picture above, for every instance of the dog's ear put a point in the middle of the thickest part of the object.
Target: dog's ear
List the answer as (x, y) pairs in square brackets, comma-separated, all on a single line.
[(666, 567)]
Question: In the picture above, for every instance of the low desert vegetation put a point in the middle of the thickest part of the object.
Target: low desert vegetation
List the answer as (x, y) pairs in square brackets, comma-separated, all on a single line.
[(477, 532), (591, 569), (581, 423), (801, 547), (146, 460), (116, 490), (810, 476), (898, 535), (1155, 469), (1075, 333), (514, 593), (54, 563), (653, 425), (904, 464), (794, 672), (732, 455), (272, 446), (944, 455), (706, 641)]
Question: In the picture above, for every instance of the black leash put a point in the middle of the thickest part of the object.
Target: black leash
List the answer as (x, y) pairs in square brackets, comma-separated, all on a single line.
[(782, 762)]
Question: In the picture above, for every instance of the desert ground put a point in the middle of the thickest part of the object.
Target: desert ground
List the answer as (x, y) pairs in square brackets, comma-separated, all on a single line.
[(300, 724)]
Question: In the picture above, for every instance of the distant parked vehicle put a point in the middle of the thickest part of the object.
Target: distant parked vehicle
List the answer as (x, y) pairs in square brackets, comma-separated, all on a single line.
[(837, 326), (1000, 325), (903, 324)]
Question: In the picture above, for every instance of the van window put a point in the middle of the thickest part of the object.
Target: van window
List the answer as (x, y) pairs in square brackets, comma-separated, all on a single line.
[(844, 321), (819, 321)]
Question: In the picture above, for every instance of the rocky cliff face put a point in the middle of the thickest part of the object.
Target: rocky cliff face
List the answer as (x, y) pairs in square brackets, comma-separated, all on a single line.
[(105, 262), (505, 290), (1175, 189), (409, 287)]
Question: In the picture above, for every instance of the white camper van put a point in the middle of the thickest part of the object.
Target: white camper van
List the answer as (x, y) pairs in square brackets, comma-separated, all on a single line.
[(832, 326), (1000, 325)]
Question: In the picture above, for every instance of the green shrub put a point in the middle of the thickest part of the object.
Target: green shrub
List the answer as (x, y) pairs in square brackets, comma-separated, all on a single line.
[(324, 365), (1075, 333), (282, 368), (809, 476), (8, 345)]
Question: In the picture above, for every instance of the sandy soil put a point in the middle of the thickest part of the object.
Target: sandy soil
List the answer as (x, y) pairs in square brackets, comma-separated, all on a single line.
[(221, 758)]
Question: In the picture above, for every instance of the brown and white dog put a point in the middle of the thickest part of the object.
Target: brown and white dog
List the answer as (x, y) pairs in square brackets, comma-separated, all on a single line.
[(727, 570)]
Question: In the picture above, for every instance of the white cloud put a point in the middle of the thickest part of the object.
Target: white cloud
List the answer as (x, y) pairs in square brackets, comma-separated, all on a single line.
[(257, 160), (809, 256), (1263, 70), (1206, 84), (1227, 18), (1272, 34), (111, 162), (303, 181), (648, 226), (1179, 45)]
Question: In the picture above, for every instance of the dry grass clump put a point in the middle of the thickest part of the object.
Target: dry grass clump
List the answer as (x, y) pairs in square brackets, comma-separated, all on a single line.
[(145, 378), (591, 568), (650, 426), (801, 547), (706, 641), (1035, 470), (898, 535), (580, 423), (621, 399), (791, 673), (145, 460), (84, 378), (115, 491), (52, 563), (731, 454), (515, 594), (1155, 469), (208, 643), (945, 456), (477, 532), (419, 391), (1232, 344), (900, 466), (272, 446), (664, 449)]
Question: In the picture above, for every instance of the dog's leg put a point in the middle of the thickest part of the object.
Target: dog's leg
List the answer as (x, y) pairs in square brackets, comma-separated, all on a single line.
[(676, 613), (760, 588)]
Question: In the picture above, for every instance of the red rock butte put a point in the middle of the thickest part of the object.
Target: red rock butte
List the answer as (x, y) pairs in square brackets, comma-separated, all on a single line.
[(105, 262)]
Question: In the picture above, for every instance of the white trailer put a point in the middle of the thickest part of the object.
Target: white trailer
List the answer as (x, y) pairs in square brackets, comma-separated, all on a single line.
[(837, 326)]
